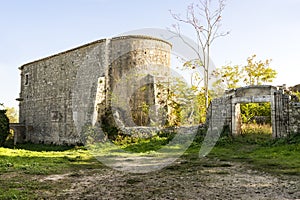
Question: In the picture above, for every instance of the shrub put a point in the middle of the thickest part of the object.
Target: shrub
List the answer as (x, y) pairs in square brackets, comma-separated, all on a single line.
[(4, 127), (250, 112)]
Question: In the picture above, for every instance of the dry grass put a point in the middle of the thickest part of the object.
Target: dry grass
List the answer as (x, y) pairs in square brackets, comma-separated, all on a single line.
[(257, 129)]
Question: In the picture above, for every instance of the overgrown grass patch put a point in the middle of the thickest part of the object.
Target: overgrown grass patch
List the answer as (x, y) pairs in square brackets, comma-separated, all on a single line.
[(20, 188), (257, 129), (20, 165), (278, 156), (145, 145), (43, 159)]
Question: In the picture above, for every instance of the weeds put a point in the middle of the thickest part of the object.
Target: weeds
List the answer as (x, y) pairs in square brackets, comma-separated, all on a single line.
[(256, 129)]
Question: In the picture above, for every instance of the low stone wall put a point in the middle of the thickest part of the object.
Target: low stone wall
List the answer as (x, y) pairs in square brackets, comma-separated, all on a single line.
[(146, 132), (219, 113)]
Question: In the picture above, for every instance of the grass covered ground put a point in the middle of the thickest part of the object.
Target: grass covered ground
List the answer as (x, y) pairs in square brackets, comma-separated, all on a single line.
[(22, 165), (281, 156)]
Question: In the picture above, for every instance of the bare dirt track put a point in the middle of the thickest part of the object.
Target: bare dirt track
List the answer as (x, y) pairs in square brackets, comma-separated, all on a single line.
[(185, 179)]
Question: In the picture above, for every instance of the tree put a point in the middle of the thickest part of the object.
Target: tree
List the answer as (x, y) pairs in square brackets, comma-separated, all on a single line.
[(258, 72), (205, 19), (254, 73), (12, 114), (251, 110), (184, 104), (228, 76), (4, 126)]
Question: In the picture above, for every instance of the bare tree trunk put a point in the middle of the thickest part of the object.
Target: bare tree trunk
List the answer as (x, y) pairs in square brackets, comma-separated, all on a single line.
[(205, 19), (206, 75)]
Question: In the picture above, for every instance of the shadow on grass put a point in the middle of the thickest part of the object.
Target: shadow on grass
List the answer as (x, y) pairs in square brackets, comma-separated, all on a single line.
[(41, 147), (45, 159)]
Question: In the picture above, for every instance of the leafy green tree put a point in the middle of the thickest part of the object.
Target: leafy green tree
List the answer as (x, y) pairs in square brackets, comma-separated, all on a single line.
[(185, 104), (258, 72), (200, 104), (295, 96), (228, 77), (254, 73), (4, 126), (193, 65), (251, 110), (12, 114)]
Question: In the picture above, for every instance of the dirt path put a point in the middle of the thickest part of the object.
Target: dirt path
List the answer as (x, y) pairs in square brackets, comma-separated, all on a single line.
[(204, 179)]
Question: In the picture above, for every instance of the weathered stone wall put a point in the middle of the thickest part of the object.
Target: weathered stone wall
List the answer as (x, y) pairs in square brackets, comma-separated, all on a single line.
[(146, 132), (134, 62), (54, 97), (219, 113), (294, 118), (225, 111), (46, 90)]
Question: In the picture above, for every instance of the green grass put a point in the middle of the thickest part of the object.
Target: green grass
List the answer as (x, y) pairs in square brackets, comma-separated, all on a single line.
[(156, 146), (43, 159), (259, 150), (278, 156), (19, 165), (144, 145), (21, 188)]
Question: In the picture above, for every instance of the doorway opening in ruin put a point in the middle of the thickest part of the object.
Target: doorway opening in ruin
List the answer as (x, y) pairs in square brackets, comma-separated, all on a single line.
[(255, 118), (140, 103)]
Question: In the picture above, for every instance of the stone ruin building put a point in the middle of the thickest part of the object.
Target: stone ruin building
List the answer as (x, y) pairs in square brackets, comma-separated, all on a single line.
[(61, 91), (285, 109)]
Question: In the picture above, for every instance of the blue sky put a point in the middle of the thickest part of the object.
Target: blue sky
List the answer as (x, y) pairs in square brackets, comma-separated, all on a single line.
[(33, 29)]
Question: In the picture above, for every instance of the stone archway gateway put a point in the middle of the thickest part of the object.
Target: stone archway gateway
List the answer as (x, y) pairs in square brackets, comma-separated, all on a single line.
[(225, 111), (261, 94)]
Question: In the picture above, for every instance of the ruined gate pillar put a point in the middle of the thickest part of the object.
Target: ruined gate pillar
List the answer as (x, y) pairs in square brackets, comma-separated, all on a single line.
[(236, 119), (280, 114)]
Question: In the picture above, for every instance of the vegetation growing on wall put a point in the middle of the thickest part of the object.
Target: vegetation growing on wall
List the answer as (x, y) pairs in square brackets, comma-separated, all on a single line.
[(296, 96)]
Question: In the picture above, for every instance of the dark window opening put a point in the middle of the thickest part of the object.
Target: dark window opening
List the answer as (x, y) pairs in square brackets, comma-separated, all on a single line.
[(26, 79), (55, 116)]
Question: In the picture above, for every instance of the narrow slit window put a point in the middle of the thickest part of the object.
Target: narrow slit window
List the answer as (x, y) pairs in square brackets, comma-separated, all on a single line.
[(26, 82)]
